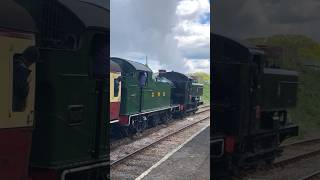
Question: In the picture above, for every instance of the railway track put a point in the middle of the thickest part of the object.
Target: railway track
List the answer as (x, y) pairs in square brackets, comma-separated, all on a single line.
[(126, 140), (144, 156), (301, 150), (302, 142), (312, 176), (201, 108), (296, 158)]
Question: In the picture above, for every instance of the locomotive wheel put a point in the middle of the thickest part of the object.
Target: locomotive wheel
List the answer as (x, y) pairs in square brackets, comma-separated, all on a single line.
[(140, 125), (164, 119), (169, 116), (154, 121), (125, 132), (182, 115), (269, 161)]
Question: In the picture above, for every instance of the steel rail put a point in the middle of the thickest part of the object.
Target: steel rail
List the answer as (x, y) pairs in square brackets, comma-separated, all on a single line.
[(198, 112), (311, 176), (291, 160), (313, 140), (296, 158)]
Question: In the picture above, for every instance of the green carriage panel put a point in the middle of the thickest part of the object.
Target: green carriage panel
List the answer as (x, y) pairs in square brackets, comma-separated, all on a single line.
[(156, 95)]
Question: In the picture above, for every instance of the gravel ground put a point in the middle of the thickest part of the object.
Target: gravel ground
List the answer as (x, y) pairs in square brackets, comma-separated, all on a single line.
[(133, 167), (122, 151), (191, 162)]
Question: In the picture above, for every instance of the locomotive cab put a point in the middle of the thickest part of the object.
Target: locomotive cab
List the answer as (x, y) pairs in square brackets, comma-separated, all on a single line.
[(196, 92)]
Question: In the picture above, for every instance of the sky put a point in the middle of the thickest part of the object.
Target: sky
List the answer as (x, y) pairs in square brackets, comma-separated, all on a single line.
[(253, 18), (173, 34)]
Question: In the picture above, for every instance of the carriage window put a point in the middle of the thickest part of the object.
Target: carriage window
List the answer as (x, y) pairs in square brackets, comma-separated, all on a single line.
[(21, 72), (100, 53), (257, 59), (20, 84), (116, 88), (143, 77)]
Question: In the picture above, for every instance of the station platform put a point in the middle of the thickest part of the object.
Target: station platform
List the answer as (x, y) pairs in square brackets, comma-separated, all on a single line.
[(191, 161)]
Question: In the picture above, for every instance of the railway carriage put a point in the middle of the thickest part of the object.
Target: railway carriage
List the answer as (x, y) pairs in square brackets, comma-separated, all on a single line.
[(145, 101), (115, 91), (16, 126)]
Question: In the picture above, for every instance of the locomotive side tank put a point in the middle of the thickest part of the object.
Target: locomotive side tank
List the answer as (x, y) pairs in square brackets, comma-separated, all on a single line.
[(17, 32), (144, 100)]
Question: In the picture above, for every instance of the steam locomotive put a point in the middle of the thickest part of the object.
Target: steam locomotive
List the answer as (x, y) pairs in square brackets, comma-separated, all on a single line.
[(140, 99), (250, 103)]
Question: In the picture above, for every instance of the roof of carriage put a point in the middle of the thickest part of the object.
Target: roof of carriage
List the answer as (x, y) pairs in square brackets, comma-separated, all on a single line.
[(15, 17), (131, 64), (90, 14)]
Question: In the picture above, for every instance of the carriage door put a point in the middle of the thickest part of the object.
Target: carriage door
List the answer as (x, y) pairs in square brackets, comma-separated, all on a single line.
[(23, 117), (142, 78), (100, 52)]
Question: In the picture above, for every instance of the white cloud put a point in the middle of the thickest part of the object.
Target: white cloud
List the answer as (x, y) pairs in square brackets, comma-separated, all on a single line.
[(193, 36), (198, 65), (169, 32), (192, 8)]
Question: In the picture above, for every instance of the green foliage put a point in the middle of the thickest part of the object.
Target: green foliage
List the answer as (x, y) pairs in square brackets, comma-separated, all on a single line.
[(202, 76), (299, 49), (204, 79), (307, 112), (296, 49)]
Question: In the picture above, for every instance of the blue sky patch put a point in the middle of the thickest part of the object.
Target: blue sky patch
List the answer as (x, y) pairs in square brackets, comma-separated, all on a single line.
[(205, 18)]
